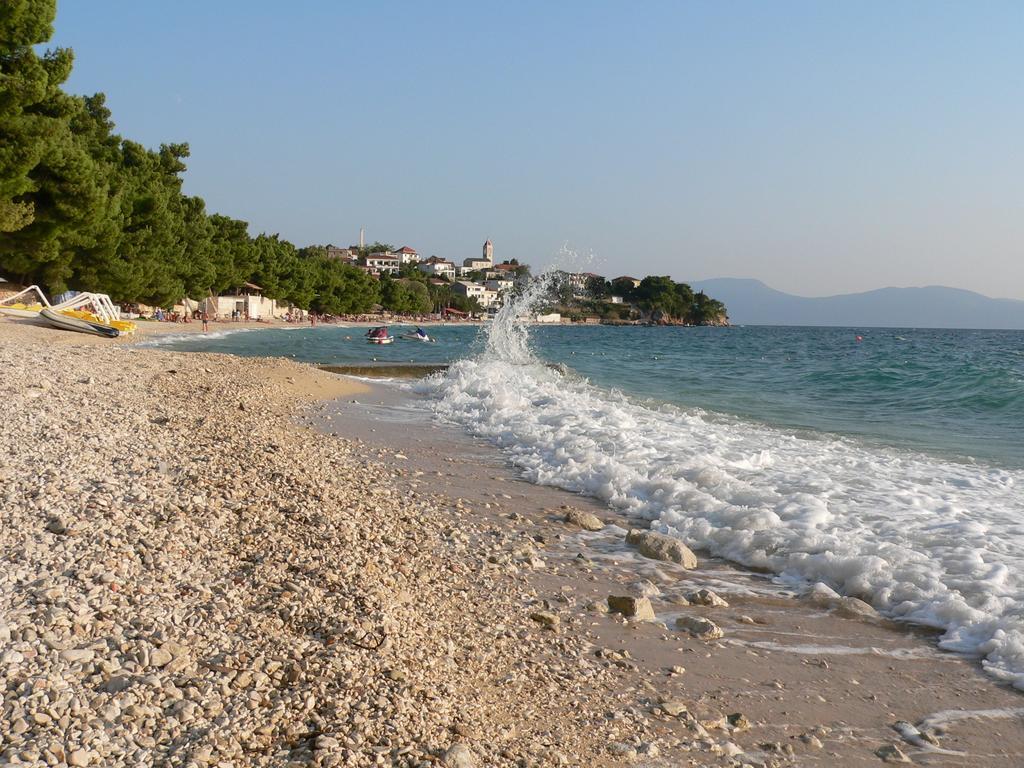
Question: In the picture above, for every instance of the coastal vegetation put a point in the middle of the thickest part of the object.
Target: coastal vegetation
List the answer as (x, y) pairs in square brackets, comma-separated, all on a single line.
[(655, 298), (82, 207)]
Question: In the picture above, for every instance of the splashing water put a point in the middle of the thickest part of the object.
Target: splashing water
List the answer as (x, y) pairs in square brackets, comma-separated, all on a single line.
[(508, 335)]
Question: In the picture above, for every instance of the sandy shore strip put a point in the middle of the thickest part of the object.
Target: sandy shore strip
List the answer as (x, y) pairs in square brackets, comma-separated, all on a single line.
[(194, 574)]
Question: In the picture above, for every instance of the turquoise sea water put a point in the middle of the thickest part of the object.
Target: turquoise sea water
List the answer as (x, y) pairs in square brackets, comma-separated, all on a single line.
[(958, 393)]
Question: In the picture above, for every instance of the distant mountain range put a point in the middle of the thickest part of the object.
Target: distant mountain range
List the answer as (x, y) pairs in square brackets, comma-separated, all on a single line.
[(751, 302)]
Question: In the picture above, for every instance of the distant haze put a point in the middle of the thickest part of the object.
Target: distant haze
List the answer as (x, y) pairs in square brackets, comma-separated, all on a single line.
[(820, 147), (751, 302)]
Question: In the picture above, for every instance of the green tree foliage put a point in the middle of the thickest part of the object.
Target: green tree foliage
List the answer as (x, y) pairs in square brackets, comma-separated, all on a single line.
[(405, 296), (198, 271), (598, 287), (418, 296), (27, 84), (624, 287), (664, 299), (81, 207), (51, 190), (706, 310), (412, 271), (464, 303), (341, 288), (374, 247), (235, 257)]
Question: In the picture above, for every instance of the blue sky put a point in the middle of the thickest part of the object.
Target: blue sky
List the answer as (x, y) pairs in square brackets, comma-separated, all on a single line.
[(821, 147)]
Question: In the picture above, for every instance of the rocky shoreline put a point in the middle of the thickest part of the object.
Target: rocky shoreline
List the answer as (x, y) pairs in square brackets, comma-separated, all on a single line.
[(193, 576), (191, 579)]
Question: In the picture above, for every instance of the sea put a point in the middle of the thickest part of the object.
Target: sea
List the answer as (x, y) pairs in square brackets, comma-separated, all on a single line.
[(883, 463)]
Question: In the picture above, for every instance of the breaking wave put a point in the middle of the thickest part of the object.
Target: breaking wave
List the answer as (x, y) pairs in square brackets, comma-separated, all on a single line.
[(923, 539)]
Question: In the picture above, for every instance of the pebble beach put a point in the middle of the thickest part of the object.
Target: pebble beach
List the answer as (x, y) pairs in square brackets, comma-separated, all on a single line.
[(193, 573)]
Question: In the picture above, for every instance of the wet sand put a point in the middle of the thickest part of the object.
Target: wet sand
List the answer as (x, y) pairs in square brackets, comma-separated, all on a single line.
[(800, 671)]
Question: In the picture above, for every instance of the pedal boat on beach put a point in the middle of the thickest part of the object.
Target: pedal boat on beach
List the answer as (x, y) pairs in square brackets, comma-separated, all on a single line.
[(67, 322), (379, 335), (92, 313)]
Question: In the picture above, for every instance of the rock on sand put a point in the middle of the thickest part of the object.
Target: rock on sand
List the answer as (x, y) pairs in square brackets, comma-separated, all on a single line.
[(699, 627), (585, 520), (638, 608), (661, 547)]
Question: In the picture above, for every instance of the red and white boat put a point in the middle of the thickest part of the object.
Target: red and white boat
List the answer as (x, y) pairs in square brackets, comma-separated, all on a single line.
[(379, 335)]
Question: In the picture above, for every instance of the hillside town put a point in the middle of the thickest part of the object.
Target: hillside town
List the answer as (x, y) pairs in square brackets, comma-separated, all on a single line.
[(480, 281), (480, 285)]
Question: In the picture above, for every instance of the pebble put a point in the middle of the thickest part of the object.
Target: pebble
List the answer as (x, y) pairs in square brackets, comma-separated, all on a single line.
[(631, 607), (622, 749), (546, 618), (699, 627), (673, 708), (459, 756), (890, 753), (706, 597), (57, 525), (77, 655)]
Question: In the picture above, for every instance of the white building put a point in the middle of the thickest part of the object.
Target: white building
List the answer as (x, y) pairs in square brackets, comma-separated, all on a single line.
[(500, 285), (470, 290), (578, 282), (407, 255), (248, 301), (437, 267), (476, 265), (383, 262)]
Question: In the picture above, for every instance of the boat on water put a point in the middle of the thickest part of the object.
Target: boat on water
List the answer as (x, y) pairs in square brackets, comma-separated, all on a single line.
[(379, 335), (418, 335), (68, 323)]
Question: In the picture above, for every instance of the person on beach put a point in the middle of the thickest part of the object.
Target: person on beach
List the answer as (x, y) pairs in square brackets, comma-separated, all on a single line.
[(206, 321)]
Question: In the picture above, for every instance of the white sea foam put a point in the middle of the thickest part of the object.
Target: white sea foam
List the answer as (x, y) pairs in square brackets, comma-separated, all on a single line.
[(169, 339), (948, 716), (923, 540), (817, 649)]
